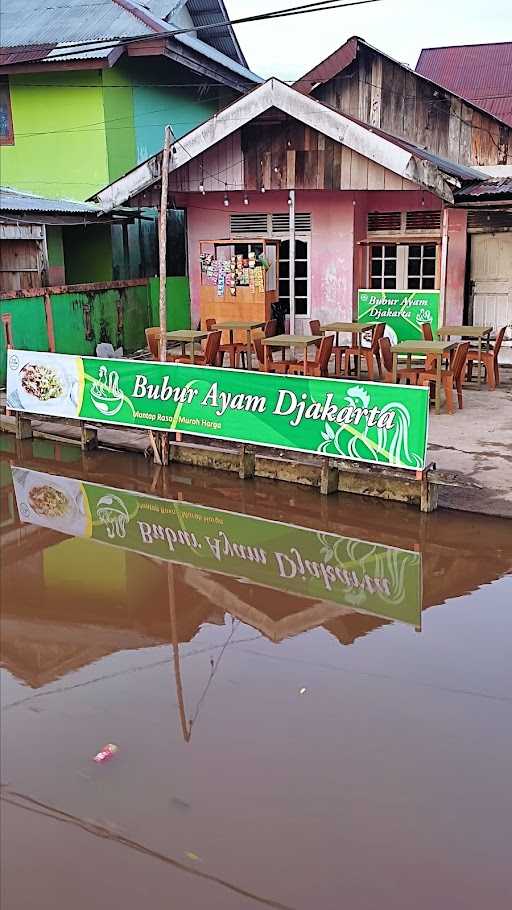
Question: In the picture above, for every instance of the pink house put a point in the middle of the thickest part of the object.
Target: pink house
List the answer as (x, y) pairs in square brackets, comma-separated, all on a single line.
[(371, 210)]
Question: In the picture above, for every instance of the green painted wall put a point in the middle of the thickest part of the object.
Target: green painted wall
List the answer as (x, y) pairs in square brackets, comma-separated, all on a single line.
[(87, 253), (158, 100), (119, 121), (28, 324), (59, 134), (55, 246), (82, 320), (178, 302), (118, 316)]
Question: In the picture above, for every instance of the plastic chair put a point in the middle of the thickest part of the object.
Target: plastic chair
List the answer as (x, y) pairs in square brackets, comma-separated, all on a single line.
[(451, 377), (314, 325), (489, 359), (269, 329), (274, 366), (153, 340), (320, 365), (209, 358), (410, 375), (367, 353)]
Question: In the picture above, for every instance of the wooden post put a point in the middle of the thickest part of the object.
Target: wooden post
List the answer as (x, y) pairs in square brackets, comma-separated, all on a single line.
[(23, 427), (292, 260), (162, 243), (186, 727), (160, 444), (328, 478), (246, 464), (88, 437), (443, 316)]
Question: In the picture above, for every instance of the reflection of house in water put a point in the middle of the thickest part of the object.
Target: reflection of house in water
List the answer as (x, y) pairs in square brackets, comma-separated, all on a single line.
[(71, 601)]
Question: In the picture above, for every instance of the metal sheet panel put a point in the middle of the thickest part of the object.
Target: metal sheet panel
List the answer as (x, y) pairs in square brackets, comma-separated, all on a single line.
[(491, 188), (14, 201), (481, 73), (35, 22)]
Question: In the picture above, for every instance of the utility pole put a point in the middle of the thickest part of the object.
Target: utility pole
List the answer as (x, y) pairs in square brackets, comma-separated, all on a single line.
[(291, 201), (162, 243), (160, 441)]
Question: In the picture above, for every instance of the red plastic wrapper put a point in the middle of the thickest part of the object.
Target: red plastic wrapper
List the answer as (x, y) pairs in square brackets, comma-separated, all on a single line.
[(107, 752)]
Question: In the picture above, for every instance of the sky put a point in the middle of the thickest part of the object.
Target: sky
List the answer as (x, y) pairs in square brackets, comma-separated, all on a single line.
[(289, 47)]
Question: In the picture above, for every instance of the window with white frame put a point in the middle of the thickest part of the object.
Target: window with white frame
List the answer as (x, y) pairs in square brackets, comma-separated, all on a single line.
[(401, 265), (277, 225), (383, 262), (301, 275), (421, 266)]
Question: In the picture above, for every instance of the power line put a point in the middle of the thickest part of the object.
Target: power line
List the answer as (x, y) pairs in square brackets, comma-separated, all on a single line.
[(106, 44), (201, 86)]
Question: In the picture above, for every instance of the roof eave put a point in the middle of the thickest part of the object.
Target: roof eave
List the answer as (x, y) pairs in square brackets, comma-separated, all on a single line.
[(274, 93)]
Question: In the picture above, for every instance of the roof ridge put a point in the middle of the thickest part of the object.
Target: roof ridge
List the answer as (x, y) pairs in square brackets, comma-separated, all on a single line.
[(452, 47), (144, 15), (436, 174)]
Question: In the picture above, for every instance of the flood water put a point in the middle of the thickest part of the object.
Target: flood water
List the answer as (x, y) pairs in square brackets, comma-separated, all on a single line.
[(311, 697)]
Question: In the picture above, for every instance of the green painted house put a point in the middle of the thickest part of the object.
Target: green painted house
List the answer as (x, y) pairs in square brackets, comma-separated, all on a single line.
[(86, 88)]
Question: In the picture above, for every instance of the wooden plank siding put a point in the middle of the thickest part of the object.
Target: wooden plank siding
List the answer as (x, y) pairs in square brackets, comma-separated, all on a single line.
[(384, 94), (280, 156)]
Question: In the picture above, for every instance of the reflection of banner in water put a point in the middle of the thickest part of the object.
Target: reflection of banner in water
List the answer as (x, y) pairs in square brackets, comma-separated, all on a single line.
[(362, 575)]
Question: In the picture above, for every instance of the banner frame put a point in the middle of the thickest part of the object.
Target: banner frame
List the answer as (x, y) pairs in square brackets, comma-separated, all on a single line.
[(212, 435)]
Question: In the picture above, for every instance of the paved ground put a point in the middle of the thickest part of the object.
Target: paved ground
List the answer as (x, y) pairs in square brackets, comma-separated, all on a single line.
[(475, 447)]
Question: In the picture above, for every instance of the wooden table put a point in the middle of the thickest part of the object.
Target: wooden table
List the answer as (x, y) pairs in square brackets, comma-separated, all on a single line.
[(246, 327), (187, 336), (288, 341), (436, 348), (469, 331), (355, 328)]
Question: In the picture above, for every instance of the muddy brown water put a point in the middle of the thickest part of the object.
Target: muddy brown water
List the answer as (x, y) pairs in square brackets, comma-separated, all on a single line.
[(311, 697)]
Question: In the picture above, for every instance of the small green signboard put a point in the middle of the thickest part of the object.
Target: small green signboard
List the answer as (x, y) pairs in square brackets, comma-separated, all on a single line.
[(362, 575), (402, 311), (372, 422)]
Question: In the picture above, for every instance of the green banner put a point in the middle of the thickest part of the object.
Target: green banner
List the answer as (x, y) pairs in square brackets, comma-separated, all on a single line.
[(361, 575), (362, 421), (402, 311)]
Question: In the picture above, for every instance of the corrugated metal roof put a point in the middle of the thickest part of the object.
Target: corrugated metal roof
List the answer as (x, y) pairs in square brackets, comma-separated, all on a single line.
[(459, 171), (481, 73), (490, 188), (329, 68), (41, 24), (58, 50), (196, 44), (36, 22), (12, 200), (206, 12)]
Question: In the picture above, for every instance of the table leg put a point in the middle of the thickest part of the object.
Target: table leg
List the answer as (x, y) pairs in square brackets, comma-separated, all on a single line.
[(438, 383), (265, 358), (479, 379), (409, 361), (357, 358), (305, 360), (249, 349), (193, 355), (395, 366)]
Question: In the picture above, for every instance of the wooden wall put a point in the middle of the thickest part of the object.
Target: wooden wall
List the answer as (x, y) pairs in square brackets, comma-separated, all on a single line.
[(282, 155), (384, 94)]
